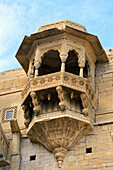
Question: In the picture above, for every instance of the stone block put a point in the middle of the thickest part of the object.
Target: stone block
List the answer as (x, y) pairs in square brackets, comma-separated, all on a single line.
[(22, 81), (14, 73), (103, 104), (1, 76), (109, 153), (83, 162), (94, 155), (75, 157), (2, 84), (8, 84), (15, 82)]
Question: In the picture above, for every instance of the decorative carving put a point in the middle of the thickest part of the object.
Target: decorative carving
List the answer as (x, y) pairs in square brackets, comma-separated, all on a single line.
[(31, 69), (44, 49), (36, 103), (58, 135), (70, 80), (26, 115), (61, 96), (5, 117), (85, 104), (60, 154), (81, 83)]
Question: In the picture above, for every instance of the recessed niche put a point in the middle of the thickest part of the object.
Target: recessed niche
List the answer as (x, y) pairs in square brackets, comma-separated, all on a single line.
[(88, 150), (32, 157)]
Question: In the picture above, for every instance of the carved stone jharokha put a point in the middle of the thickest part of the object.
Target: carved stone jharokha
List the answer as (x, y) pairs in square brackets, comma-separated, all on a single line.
[(58, 101)]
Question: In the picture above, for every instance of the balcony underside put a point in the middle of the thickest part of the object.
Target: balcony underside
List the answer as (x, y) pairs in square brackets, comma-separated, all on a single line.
[(4, 162)]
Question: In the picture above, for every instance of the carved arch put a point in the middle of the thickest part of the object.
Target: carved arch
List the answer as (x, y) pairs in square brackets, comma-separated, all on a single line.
[(50, 62), (71, 64)]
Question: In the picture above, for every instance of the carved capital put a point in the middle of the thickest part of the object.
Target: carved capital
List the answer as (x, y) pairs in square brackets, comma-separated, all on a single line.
[(37, 63), (63, 58), (36, 103), (81, 64)]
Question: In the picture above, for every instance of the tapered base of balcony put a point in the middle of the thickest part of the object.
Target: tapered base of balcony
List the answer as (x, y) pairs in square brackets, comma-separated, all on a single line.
[(4, 162)]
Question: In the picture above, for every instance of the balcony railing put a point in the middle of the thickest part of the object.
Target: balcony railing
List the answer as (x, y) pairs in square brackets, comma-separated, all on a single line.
[(65, 79)]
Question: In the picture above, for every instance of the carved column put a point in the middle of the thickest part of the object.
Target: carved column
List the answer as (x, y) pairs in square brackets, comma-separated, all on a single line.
[(61, 96), (36, 103), (37, 61), (37, 65), (31, 69), (63, 55), (81, 62), (81, 65), (85, 104), (26, 115)]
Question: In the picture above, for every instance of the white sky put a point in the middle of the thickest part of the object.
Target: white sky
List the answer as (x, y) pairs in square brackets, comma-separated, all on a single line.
[(23, 17)]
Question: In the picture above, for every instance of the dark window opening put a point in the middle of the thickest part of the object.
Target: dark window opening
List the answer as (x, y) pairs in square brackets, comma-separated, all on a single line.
[(88, 150), (72, 63), (51, 63), (33, 157)]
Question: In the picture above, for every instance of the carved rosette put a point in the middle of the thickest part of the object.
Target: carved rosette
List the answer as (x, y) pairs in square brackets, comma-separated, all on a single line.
[(58, 135)]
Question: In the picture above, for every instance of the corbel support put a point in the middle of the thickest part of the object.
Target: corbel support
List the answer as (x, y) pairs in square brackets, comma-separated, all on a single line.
[(26, 115), (36, 103), (85, 104), (61, 96)]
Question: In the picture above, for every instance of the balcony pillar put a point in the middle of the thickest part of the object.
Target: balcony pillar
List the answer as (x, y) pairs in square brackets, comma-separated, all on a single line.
[(63, 59), (37, 62), (31, 70), (37, 65), (63, 55), (81, 65), (81, 72)]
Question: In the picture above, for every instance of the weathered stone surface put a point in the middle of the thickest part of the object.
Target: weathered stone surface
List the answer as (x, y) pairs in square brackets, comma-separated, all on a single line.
[(59, 104)]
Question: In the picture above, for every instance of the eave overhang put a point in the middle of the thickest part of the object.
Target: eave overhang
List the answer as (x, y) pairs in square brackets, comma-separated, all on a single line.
[(28, 41)]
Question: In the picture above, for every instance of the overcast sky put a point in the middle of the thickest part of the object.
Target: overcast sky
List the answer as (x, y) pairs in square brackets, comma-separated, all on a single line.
[(23, 17)]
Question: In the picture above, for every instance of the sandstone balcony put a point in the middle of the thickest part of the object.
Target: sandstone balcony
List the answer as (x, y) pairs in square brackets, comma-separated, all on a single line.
[(63, 107), (65, 79)]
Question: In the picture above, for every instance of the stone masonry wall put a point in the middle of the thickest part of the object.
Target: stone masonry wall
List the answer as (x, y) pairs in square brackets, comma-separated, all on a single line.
[(92, 152), (99, 141)]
